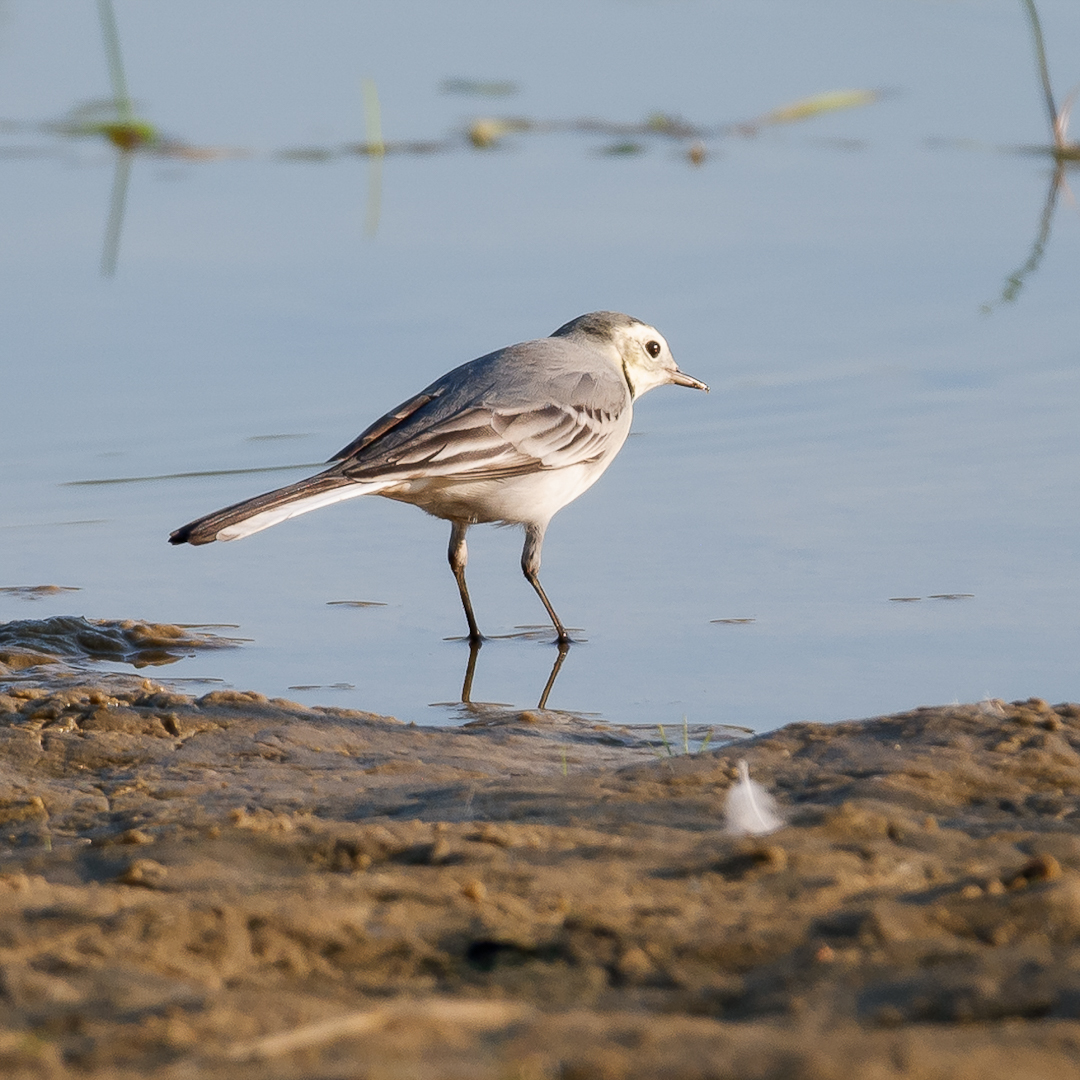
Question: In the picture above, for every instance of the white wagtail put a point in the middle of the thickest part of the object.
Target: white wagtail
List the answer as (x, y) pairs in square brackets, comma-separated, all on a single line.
[(509, 438)]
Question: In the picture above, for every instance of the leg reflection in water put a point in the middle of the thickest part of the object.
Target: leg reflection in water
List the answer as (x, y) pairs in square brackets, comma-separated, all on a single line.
[(470, 671)]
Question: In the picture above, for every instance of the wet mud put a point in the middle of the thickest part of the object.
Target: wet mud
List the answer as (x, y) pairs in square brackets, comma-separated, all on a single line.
[(230, 886)]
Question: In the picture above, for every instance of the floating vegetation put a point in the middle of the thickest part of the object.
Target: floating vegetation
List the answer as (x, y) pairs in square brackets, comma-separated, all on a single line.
[(307, 153), (622, 149), (405, 146), (486, 131), (321, 686), (126, 132), (733, 622), (479, 87), (129, 134), (932, 596), (807, 108), (114, 120), (124, 135), (696, 153), (355, 603)]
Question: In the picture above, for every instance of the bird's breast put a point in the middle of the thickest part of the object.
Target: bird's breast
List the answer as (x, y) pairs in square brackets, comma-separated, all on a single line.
[(530, 499)]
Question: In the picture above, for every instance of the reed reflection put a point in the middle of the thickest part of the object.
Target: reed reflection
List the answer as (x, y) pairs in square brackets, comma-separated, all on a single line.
[(1014, 283), (1064, 153)]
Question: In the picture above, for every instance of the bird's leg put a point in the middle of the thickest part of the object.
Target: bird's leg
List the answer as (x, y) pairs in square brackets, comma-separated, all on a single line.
[(459, 556), (530, 567)]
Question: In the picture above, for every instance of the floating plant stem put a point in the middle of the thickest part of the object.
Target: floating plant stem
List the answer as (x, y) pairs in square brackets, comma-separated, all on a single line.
[(111, 37), (373, 119), (111, 248), (829, 101), (376, 151), (1044, 71), (1015, 281), (1059, 118)]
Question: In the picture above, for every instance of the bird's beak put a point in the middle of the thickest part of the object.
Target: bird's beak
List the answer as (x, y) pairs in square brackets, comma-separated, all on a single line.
[(680, 378)]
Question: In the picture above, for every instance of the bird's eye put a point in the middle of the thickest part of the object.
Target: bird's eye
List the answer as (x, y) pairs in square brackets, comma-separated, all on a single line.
[(653, 348)]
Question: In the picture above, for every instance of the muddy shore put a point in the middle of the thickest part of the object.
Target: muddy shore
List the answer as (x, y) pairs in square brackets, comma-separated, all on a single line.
[(230, 886)]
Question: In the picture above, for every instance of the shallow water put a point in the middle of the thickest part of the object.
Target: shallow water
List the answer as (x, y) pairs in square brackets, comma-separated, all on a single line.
[(874, 432)]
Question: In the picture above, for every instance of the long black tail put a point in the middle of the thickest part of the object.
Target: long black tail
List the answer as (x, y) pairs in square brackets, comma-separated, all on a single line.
[(205, 530)]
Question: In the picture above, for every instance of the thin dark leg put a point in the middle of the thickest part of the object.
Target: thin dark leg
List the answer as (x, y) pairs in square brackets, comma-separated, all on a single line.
[(459, 556), (530, 567)]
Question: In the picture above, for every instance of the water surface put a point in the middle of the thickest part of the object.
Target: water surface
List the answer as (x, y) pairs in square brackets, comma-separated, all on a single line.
[(884, 422)]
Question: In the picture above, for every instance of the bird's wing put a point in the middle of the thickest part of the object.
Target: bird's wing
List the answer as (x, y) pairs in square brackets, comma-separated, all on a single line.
[(524, 408), (387, 423), (493, 442)]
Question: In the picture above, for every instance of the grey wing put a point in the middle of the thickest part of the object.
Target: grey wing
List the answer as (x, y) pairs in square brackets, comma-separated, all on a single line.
[(524, 408)]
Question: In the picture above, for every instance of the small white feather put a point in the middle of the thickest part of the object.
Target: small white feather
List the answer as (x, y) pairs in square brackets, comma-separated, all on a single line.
[(258, 522), (749, 808)]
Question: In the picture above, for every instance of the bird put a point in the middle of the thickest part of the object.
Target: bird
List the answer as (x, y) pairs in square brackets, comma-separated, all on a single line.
[(509, 438)]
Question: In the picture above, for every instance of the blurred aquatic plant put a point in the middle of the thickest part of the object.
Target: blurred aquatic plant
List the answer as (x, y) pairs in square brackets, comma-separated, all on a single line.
[(373, 119), (126, 132), (376, 153), (1014, 283), (479, 87), (1059, 118), (807, 108), (1064, 152), (623, 149), (486, 132), (110, 251), (115, 121)]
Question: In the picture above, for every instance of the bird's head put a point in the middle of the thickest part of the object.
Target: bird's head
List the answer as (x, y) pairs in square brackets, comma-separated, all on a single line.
[(637, 348)]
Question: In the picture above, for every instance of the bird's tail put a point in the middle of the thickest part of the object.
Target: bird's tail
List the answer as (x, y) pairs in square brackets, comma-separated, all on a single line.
[(254, 515)]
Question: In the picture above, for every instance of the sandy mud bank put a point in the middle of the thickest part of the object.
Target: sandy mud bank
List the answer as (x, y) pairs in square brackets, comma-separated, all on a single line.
[(226, 886)]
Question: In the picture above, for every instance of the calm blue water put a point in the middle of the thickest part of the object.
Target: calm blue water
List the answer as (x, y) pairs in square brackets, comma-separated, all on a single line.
[(873, 432)]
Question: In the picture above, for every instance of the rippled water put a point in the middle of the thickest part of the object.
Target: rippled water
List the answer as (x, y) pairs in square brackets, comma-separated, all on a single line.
[(892, 347)]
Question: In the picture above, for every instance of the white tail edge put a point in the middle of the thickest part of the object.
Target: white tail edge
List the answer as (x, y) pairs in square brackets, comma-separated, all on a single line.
[(265, 518)]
